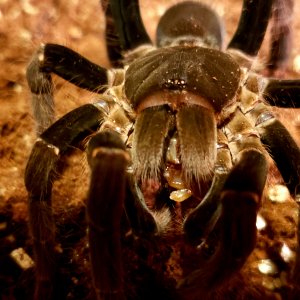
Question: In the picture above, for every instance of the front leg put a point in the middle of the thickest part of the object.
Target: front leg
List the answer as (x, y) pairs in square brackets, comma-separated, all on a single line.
[(233, 236), (40, 174), (252, 26), (108, 160), (281, 36), (111, 193), (69, 65), (229, 211)]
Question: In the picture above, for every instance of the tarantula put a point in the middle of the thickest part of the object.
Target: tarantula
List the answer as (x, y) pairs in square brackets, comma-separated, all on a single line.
[(177, 144)]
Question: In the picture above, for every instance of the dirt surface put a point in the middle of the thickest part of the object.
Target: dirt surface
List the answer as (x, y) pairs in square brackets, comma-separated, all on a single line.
[(24, 25)]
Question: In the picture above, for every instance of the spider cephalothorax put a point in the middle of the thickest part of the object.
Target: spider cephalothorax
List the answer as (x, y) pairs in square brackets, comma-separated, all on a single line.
[(178, 148)]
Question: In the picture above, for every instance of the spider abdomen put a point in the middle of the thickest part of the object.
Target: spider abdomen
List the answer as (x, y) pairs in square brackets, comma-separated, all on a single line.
[(209, 73)]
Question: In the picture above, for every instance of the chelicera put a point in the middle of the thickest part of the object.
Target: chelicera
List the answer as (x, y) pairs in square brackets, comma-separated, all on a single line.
[(177, 144)]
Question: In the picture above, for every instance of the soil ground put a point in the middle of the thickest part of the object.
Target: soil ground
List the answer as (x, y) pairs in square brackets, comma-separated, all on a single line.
[(24, 25)]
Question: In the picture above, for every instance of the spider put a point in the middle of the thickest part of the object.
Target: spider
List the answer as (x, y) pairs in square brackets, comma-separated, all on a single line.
[(178, 147)]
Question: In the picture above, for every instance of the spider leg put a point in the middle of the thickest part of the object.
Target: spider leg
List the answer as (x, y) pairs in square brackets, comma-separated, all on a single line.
[(252, 26), (233, 201), (113, 46), (282, 93), (286, 154), (281, 35), (108, 160), (124, 23), (280, 145), (276, 138), (66, 63), (235, 226), (67, 132)]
